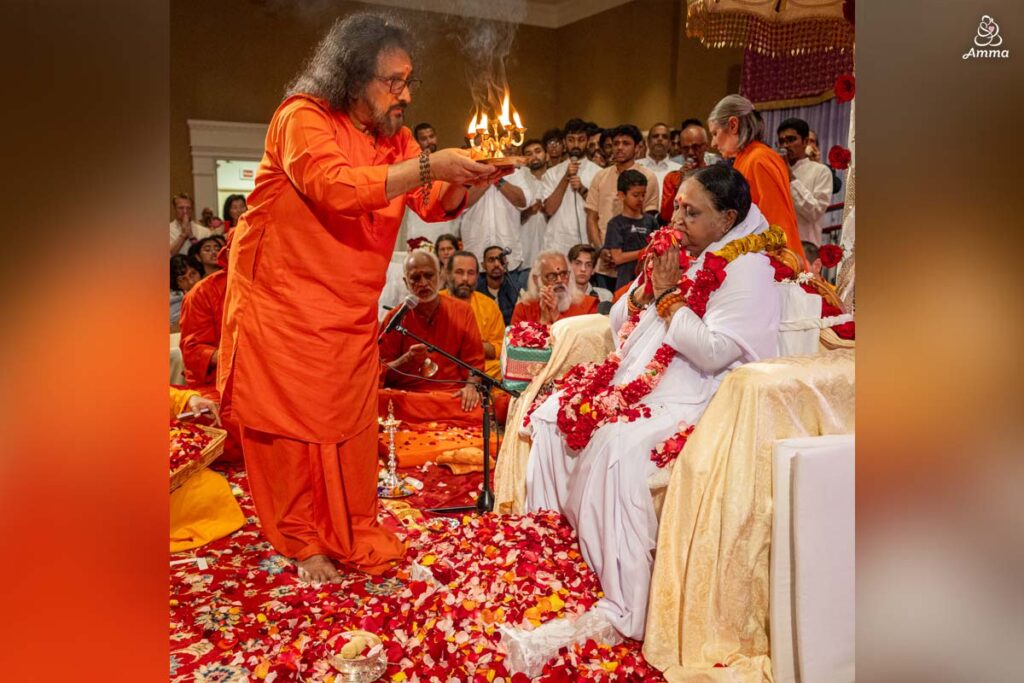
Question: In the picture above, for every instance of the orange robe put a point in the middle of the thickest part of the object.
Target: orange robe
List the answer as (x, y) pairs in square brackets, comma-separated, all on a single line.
[(768, 176), (530, 310), (298, 354), (202, 311), (491, 326), (452, 328)]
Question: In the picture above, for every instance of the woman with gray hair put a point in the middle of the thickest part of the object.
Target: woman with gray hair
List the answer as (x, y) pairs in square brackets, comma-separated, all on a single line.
[(737, 130)]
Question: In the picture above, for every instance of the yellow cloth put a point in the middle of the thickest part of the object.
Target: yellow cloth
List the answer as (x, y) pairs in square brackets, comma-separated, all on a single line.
[(578, 339), (203, 509), (179, 400), (709, 591), (491, 326)]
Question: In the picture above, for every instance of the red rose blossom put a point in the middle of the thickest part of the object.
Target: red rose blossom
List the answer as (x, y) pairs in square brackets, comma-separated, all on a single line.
[(839, 157), (844, 87), (830, 255)]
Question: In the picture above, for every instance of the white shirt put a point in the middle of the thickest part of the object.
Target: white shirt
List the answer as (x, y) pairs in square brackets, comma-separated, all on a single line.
[(660, 169), (567, 227), (199, 231), (534, 230), (494, 221), (601, 293), (811, 189), (413, 226)]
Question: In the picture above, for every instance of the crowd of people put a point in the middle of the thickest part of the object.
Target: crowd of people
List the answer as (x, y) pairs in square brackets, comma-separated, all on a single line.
[(559, 236), (588, 198)]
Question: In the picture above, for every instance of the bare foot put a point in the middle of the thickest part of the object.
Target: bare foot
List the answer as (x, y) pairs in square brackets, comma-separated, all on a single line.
[(318, 569)]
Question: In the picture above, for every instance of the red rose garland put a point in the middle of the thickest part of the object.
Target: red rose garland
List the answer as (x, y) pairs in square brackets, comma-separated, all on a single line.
[(588, 399)]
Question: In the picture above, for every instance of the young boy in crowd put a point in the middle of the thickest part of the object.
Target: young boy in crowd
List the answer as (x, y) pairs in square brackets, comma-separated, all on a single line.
[(629, 232)]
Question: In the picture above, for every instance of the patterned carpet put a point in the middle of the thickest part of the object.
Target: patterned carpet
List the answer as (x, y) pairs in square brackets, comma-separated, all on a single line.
[(238, 613)]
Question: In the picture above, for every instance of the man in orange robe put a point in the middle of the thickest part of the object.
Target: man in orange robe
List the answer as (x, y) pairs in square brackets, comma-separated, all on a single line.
[(202, 311), (298, 357), (549, 296), (445, 322)]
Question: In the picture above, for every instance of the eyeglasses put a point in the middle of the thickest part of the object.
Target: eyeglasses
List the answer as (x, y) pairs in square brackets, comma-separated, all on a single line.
[(397, 85), (552, 278)]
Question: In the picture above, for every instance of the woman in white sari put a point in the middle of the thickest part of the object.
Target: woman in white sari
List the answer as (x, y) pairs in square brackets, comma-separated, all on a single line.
[(602, 489)]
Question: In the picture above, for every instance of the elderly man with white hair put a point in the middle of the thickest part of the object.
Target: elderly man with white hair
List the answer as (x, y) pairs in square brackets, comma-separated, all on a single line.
[(446, 322), (551, 295)]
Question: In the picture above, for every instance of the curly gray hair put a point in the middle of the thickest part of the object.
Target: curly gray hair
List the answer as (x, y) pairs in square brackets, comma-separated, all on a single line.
[(751, 126), (345, 61)]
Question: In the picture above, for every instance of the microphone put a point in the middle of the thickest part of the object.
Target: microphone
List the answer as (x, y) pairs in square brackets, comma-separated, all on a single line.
[(575, 154), (408, 303)]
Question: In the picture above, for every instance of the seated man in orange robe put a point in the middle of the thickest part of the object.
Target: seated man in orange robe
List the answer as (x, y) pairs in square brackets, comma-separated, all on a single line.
[(463, 273), (549, 296), (202, 311), (445, 322)]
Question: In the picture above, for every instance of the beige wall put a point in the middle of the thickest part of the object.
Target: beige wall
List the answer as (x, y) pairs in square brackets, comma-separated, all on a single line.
[(231, 60), (634, 64)]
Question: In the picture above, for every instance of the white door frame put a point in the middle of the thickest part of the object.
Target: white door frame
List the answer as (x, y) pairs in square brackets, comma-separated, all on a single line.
[(213, 140)]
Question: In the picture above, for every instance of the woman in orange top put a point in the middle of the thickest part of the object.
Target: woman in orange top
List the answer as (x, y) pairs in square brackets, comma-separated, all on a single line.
[(298, 354), (737, 130)]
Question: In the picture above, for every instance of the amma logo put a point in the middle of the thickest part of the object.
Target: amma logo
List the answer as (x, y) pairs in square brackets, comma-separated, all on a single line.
[(988, 39)]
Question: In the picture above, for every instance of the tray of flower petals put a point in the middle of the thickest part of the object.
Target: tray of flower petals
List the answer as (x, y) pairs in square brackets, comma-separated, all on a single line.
[(193, 447)]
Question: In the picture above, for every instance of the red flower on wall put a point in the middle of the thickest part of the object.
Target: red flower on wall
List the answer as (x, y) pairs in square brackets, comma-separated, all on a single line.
[(830, 255), (845, 87), (839, 157)]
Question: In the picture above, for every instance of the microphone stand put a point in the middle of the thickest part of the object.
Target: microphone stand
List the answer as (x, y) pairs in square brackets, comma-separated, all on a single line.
[(485, 501)]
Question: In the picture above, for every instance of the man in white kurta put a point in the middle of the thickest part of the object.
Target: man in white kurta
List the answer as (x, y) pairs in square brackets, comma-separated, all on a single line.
[(534, 222), (603, 489), (811, 189), (492, 219), (810, 183), (657, 159)]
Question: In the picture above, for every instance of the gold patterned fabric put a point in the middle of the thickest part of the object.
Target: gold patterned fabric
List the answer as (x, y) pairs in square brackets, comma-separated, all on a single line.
[(578, 339), (710, 588), (770, 27), (846, 275)]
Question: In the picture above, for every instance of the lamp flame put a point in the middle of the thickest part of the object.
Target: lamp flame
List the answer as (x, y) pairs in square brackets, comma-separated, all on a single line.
[(495, 137)]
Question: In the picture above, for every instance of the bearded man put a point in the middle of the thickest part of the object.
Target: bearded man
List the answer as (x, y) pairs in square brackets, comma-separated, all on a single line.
[(551, 295), (298, 355), (534, 223), (565, 189), (463, 271), (450, 325)]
